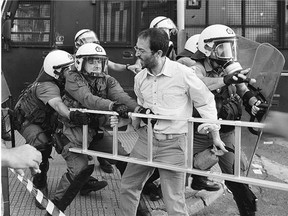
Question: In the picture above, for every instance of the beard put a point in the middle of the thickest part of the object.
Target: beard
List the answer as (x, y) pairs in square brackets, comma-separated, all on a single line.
[(148, 63)]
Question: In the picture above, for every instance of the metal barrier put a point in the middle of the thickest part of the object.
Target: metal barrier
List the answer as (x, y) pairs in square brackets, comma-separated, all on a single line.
[(188, 168)]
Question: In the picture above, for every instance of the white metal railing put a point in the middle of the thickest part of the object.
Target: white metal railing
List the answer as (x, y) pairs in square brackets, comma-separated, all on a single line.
[(188, 168)]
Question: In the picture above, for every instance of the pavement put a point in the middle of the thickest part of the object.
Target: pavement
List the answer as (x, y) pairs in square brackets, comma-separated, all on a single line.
[(104, 202)]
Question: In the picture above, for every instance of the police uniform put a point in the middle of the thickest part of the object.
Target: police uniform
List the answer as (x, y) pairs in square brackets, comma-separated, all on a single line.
[(228, 105), (36, 122), (93, 93)]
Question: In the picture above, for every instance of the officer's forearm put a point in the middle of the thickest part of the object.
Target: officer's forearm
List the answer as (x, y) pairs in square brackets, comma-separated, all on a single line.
[(116, 66), (62, 109), (213, 83), (241, 89)]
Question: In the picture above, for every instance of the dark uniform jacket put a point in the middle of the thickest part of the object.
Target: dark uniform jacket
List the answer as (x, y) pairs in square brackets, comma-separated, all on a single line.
[(97, 93)]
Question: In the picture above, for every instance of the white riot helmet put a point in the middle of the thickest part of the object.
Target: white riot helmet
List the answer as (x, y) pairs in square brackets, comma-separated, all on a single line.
[(192, 43), (191, 48), (219, 43), (165, 23), (220, 39), (92, 54), (56, 62), (85, 36)]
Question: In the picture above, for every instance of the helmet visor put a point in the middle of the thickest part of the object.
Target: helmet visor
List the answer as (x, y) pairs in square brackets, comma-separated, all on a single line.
[(226, 50)]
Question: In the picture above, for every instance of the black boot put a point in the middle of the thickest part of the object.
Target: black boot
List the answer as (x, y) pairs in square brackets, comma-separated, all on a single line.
[(245, 199), (153, 191), (40, 181), (203, 183), (92, 185), (75, 185), (105, 165)]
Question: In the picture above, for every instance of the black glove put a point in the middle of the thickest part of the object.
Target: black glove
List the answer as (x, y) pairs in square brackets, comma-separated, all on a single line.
[(228, 79), (143, 110), (121, 109), (79, 118)]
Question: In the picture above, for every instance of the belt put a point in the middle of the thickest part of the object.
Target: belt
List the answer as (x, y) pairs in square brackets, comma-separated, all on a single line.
[(160, 136)]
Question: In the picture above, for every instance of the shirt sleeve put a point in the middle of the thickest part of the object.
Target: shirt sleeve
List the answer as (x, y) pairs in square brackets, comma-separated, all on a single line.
[(47, 91), (116, 93), (77, 88), (202, 98)]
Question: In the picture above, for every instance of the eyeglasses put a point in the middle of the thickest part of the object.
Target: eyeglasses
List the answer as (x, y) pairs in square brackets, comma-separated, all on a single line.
[(141, 51)]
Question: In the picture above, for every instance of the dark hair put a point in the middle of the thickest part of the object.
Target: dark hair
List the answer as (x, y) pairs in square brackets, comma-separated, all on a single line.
[(158, 39)]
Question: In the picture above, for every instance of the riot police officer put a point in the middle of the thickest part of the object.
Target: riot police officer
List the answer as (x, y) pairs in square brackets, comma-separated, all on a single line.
[(38, 108), (224, 76)]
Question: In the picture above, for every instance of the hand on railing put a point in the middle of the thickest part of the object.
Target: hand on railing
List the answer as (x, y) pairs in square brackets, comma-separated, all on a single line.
[(118, 121), (121, 109), (79, 118), (143, 110), (206, 128)]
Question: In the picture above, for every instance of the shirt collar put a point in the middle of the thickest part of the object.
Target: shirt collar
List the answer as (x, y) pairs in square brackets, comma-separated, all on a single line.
[(163, 71)]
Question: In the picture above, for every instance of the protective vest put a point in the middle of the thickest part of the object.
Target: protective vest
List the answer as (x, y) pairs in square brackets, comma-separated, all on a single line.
[(33, 109)]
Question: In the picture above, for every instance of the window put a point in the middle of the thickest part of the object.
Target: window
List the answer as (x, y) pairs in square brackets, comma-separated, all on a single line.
[(115, 21), (254, 19), (32, 23)]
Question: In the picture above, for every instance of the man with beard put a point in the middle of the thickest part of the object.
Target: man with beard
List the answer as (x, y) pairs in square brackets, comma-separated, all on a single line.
[(171, 89)]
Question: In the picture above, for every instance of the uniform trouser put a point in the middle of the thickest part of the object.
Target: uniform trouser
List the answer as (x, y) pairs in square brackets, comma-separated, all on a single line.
[(226, 163), (37, 137), (172, 183), (79, 162)]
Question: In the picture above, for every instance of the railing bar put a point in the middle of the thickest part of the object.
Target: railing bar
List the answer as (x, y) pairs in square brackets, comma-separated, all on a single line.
[(241, 179), (237, 163), (201, 120), (150, 141), (190, 137), (94, 111), (85, 137), (115, 141)]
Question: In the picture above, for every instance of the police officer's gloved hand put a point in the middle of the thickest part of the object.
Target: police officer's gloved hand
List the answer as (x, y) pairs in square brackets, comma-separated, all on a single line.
[(234, 78), (79, 118), (143, 110), (121, 109)]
